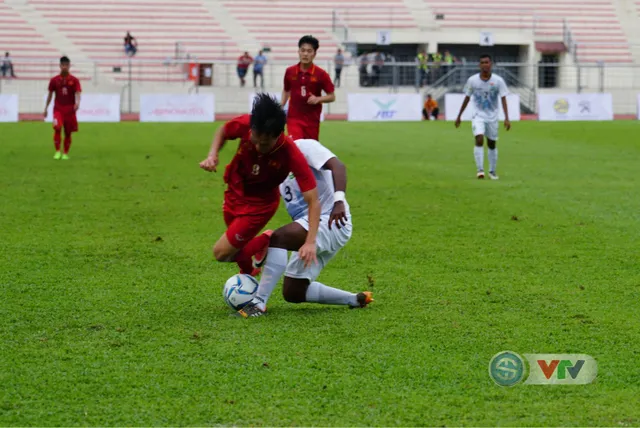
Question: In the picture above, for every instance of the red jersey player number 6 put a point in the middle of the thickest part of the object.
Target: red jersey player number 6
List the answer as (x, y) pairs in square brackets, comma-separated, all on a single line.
[(67, 89), (264, 158), (303, 87)]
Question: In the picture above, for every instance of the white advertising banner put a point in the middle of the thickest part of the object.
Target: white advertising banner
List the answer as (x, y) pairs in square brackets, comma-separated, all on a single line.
[(8, 108), (384, 107), (638, 106), (575, 107), (94, 108), (453, 102), (277, 96), (177, 108)]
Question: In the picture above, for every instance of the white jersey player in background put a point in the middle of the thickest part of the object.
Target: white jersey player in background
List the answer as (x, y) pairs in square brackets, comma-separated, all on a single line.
[(334, 232), (485, 88)]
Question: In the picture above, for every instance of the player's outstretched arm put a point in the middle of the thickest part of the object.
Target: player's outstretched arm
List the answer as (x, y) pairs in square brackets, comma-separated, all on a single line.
[(339, 173), (308, 250), (507, 122), (462, 109), (211, 162)]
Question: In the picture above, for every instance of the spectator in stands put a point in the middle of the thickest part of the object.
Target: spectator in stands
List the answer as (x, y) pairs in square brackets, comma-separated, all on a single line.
[(448, 65), (430, 109), (378, 63), (363, 70), (258, 69), (130, 45), (244, 61), (338, 60), (436, 71), (423, 68), (6, 66)]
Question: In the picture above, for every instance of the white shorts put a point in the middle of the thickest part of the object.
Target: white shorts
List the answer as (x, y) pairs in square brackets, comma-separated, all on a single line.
[(487, 128), (328, 243)]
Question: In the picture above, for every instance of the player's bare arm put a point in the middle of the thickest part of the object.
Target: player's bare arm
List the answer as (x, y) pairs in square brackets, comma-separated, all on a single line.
[(285, 97), (308, 250), (77, 104), (462, 109), (211, 162), (339, 173), (507, 122), (46, 106), (325, 99)]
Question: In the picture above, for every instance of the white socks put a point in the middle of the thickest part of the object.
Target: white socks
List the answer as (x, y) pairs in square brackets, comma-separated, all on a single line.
[(320, 293), (493, 159), (478, 154), (272, 271), (274, 268)]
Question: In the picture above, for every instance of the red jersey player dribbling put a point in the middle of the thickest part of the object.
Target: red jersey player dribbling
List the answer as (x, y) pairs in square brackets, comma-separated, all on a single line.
[(303, 87), (264, 158), (67, 89)]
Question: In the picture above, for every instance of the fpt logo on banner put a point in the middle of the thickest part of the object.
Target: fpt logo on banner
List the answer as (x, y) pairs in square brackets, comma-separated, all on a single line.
[(277, 96), (177, 108), (557, 107), (8, 108), (94, 108), (384, 107)]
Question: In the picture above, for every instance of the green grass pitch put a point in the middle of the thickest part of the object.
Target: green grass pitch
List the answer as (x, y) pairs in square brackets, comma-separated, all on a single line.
[(111, 310)]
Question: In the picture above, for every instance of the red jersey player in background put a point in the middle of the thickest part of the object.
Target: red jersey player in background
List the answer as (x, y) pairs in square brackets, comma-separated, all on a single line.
[(67, 89), (303, 86), (264, 158)]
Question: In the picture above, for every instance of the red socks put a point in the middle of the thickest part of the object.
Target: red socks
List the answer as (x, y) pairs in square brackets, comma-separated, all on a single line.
[(243, 257), (57, 136), (67, 144), (56, 140)]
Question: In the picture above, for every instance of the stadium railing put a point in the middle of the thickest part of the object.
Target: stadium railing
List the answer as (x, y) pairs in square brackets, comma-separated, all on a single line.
[(130, 77)]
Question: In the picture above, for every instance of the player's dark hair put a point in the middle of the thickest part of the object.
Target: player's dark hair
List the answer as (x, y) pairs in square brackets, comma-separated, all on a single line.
[(486, 56), (309, 40), (65, 60), (267, 116)]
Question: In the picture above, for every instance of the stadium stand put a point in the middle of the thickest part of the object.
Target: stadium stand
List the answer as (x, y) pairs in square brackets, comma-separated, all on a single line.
[(22, 40), (37, 32), (264, 20), (594, 24), (98, 28)]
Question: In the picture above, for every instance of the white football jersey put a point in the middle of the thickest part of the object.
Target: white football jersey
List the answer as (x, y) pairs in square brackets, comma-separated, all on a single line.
[(316, 155), (486, 95)]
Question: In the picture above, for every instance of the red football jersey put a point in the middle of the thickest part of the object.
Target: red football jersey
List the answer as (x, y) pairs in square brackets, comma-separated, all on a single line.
[(65, 89), (253, 177), (303, 84), (244, 61)]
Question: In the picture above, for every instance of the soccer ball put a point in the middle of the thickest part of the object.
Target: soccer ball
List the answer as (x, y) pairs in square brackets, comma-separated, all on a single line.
[(239, 290)]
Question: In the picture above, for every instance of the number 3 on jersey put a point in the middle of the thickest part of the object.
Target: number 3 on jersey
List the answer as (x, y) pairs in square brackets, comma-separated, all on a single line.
[(288, 196), (303, 91)]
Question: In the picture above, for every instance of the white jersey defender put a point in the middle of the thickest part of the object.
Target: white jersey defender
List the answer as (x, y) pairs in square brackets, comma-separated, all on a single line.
[(485, 96), (328, 241)]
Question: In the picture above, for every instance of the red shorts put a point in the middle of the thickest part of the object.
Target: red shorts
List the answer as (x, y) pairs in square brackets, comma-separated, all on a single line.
[(298, 129), (66, 120), (243, 228)]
